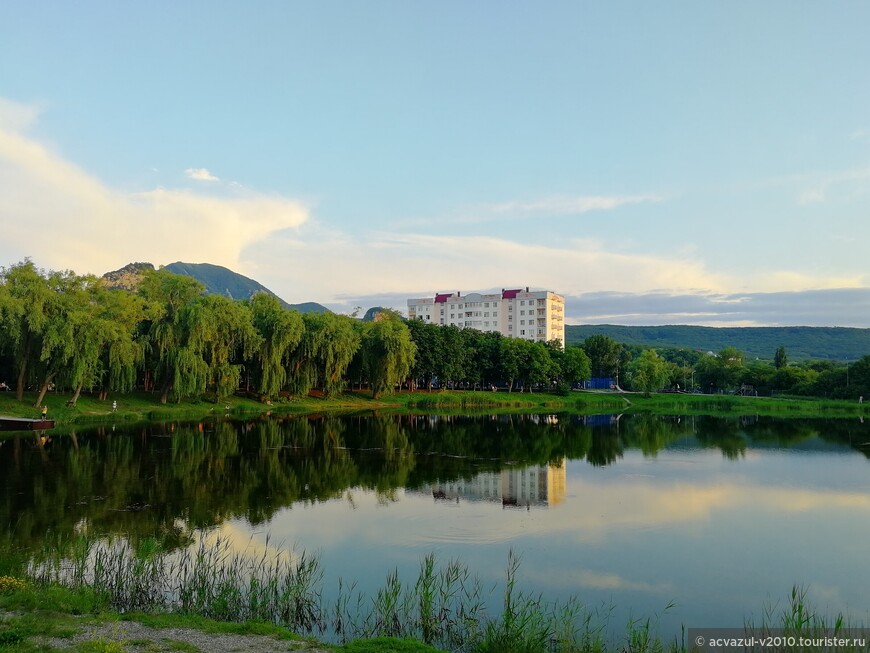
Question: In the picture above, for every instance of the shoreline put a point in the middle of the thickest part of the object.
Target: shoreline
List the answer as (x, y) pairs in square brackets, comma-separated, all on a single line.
[(138, 407)]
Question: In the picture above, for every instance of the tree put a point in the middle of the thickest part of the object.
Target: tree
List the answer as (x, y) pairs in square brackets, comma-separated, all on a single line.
[(604, 354), (67, 341), (26, 294), (536, 366), (325, 351), (779, 358), (216, 328), (388, 352), (106, 351), (721, 371), (173, 366), (425, 337), (452, 353), (575, 365), (510, 357), (649, 372), (280, 332)]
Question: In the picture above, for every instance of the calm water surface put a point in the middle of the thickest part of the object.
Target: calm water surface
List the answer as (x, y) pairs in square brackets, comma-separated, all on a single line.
[(720, 517)]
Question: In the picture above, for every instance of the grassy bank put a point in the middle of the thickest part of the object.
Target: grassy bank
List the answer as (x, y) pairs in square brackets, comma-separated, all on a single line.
[(89, 586), (146, 407)]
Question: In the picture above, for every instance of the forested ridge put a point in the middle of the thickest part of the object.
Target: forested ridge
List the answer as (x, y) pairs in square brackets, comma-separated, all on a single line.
[(802, 342)]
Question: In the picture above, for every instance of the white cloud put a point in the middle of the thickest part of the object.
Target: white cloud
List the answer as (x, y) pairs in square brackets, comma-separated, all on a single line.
[(17, 117), (56, 213), (200, 174), (813, 196), (337, 267), (571, 205), (549, 207)]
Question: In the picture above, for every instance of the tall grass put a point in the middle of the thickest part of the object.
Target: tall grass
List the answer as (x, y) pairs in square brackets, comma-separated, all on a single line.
[(443, 607), (209, 579), (798, 619)]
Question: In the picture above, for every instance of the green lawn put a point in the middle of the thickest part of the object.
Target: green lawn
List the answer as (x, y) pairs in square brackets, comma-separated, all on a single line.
[(140, 407)]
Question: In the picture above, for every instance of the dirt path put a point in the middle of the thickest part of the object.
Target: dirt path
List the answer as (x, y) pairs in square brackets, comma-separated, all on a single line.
[(133, 637)]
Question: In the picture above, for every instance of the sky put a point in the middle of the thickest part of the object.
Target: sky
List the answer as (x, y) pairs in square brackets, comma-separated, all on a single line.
[(655, 163)]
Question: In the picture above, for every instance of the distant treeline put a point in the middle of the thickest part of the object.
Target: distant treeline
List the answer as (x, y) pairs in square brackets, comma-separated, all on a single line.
[(820, 343)]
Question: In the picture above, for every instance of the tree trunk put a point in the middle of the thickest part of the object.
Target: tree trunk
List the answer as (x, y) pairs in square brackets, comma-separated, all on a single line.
[(42, 390), (72, 402), (22, 373)]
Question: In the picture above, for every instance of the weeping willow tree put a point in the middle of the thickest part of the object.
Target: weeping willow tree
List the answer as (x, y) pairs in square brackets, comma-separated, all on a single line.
[(106, 352), (280, 331), (173, 366), (323, 354), (25, 296), (218, 329), (66, 312), (388, 352)]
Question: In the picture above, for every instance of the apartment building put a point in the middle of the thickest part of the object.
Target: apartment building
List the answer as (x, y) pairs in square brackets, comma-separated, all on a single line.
[(531, 315)]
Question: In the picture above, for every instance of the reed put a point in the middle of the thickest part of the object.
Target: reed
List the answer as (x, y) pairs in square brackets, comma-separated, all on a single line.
[(443, 607)]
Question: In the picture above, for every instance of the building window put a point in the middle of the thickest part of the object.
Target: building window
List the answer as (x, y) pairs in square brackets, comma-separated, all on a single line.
[(495, 313), (522, 321), (522, 332)]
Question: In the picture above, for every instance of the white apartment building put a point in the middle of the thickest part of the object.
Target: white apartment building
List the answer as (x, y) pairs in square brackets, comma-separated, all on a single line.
[(531, 315)]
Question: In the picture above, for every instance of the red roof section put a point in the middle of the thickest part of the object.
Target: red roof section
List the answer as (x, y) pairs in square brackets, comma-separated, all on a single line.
[(442, 298), (510, 294)]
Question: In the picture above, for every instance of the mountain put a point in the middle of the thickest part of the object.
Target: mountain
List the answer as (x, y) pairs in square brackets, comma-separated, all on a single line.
[(128, 277), (834, 343), (222, 281), (216, 279), (372, 313)]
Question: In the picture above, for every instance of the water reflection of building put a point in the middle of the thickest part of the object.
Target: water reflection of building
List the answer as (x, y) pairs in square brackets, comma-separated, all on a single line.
[(542, 485)]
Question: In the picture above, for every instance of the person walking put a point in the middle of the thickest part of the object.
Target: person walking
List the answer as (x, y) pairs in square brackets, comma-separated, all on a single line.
[(114, 406)]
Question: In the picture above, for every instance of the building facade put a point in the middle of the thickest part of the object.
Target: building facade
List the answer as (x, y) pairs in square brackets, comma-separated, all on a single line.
[(530, 315)]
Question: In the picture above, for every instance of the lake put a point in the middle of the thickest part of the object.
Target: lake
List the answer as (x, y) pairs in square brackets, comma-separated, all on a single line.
[(717, 518)]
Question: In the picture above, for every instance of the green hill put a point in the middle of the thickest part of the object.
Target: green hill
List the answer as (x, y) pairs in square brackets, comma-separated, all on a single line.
[(222, 281), (834, 343)]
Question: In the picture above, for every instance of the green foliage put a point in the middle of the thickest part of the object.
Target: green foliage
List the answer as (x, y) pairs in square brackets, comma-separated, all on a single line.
[(388, 352), (25, 311), (649, 372), (832, 343), (605, 354), (575, 365), (280, 332), (386, 645), (61, 330), (780, 359)]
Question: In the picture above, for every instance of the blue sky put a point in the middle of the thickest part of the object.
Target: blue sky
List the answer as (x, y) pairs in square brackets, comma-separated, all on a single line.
[(670, 162)]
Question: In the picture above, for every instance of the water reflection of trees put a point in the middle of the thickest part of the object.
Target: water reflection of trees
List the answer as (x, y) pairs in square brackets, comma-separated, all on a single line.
[(171, 479)]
